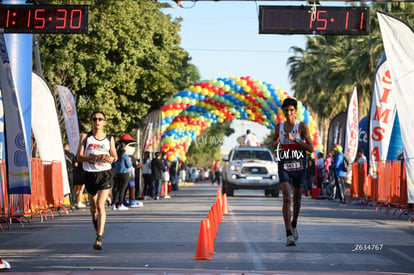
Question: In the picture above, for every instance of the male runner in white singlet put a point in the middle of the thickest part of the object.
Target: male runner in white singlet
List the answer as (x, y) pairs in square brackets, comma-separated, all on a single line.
[(291, 141)]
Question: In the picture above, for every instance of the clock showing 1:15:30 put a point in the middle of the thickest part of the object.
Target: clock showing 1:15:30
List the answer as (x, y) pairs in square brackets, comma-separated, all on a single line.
[(44, 18)]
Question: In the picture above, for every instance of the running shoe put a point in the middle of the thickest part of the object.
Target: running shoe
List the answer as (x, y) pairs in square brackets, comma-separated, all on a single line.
[(122, 207), (134, 203), (295, 234), (80, 205), (114, 207), (4, 264), (290, 241), (98, 243)]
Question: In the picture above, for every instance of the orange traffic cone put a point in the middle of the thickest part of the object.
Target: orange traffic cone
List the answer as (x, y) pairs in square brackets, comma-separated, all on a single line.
[(213, 224), (210, 237), (219, 197), (202, 250), (219, 213), (225, 207)]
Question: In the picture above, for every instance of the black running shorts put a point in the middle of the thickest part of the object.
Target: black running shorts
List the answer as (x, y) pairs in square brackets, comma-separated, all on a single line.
[(95, 181)]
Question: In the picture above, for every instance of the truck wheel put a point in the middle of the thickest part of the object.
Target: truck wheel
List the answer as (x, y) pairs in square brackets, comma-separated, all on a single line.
[(275, 192)]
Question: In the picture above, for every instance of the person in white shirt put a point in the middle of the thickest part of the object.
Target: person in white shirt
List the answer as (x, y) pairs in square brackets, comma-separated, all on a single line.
[(250, 139), (97, 152), (361, 157)]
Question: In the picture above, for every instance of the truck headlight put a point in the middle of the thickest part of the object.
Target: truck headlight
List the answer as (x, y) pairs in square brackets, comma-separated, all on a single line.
[(235, 168)]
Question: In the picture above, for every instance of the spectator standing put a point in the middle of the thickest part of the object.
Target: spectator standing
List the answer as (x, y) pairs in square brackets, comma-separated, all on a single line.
[(361, 157), (217, 173), (340, 172), (320, 165), (78, 184), (212, 171), (329, 175), (310, 177), (97, 152), (157, 167), (183, 171), (71, 163), (147, 176), (293, 139), (250, 139), (134, 183), (165, 174), (122, 169), (174, 175)]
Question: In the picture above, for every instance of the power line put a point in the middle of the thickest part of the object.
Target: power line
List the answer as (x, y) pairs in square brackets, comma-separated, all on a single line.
[(238, 50)]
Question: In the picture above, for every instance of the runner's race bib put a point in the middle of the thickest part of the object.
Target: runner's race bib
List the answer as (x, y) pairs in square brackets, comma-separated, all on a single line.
[(292, 165)]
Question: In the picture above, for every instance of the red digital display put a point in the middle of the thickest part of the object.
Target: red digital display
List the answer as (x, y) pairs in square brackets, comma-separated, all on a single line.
[(303, 20), (44, 19)]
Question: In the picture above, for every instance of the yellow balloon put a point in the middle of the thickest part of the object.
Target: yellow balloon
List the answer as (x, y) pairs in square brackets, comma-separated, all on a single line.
[(204, 91), (168, 113), (197, 89)]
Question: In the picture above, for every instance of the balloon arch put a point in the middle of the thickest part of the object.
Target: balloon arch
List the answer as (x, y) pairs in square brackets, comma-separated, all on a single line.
[(191, 111)]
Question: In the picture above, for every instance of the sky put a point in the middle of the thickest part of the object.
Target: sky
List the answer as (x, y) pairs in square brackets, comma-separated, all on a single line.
[(223, 40)]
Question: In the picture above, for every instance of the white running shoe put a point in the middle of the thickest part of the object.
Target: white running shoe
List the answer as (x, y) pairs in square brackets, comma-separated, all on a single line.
[(4, 264), (80, 205), (122, 207), (295, 234), (114, 207), (290, 241), (134, 203)]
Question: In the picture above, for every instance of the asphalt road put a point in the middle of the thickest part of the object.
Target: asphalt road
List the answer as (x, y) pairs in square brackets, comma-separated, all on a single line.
[(161, 238)]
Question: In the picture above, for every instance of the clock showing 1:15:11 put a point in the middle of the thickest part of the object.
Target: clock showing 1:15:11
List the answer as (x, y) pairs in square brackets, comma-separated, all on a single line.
[(44, 18)]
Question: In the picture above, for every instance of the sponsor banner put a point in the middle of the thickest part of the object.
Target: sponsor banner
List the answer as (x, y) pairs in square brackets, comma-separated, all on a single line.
[(18, 168), (336, 131), (151, 132), (20, 53), (363, 135), (45, 125), (398, 39), (351, 135), (2, 140), (68, 104), (382, 114)]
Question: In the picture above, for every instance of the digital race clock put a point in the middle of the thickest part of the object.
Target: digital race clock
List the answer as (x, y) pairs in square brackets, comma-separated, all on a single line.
[(43, 19), (303, 20)]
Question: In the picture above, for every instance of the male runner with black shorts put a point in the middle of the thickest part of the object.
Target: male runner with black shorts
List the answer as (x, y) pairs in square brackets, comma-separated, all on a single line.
[(97, 152), (291, 141)]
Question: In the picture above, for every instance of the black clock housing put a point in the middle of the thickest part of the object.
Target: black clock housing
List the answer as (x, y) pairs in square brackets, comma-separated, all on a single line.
[(44, 18), (303, 20)]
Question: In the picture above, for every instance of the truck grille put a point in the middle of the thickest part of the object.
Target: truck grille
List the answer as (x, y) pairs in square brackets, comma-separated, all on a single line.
[(254, 170)]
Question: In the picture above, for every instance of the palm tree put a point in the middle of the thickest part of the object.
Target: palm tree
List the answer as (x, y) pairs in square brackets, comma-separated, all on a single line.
[(324, 74)]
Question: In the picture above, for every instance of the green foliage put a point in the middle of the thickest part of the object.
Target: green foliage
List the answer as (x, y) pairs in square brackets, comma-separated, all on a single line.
[(206, 147), (324, 74), (129, 64)]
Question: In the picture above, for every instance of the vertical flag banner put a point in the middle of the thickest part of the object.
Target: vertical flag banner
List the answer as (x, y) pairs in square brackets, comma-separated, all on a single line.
[(351, 135), (336, 131), (151, 132), (46, 129), (398, 39), (2, 138), (20, 54), (67, 101), (382, 114), (18, 168)]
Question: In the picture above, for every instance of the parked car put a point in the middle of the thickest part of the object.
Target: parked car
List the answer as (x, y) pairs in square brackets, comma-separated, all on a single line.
[(250, 168)]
